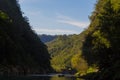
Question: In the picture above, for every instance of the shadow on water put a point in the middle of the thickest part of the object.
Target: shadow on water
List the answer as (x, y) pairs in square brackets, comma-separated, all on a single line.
[(38, 78)]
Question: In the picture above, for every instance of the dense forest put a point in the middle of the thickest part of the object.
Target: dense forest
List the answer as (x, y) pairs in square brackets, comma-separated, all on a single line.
[(101, 45), (96, 51), (21, 51), (94, 54), (66, 54)]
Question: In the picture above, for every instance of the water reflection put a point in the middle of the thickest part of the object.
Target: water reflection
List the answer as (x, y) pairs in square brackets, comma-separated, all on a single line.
[(61, 78), (39, 78)]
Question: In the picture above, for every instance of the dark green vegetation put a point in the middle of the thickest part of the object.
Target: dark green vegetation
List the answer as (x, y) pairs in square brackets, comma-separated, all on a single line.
[(103, 39), (47, 38), (21, 51), (96, 47), (66, 53)]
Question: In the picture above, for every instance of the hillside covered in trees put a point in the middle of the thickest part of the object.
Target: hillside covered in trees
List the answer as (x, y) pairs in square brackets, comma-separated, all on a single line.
[(21, 51), (66, 53), (96, 51), (102, 41)]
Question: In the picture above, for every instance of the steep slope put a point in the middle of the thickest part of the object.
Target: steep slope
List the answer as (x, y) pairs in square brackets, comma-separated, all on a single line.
[(21, 51), (103, 40), (63, 49)]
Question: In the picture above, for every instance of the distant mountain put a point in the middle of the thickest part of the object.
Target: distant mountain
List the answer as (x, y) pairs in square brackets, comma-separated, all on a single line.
[(47, 38)]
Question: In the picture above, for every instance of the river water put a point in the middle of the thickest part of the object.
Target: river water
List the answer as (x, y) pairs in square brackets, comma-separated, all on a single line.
[(41, 77)]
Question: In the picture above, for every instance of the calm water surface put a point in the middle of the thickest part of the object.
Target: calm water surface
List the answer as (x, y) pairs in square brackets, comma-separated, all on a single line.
[(41, 77)]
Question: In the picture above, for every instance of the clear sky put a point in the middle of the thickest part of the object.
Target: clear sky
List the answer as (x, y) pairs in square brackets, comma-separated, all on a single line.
[(58, 16)]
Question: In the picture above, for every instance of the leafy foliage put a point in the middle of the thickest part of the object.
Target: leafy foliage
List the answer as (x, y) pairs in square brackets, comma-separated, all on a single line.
[(21, 51), (79, 63), (65, 52), (102, 39)]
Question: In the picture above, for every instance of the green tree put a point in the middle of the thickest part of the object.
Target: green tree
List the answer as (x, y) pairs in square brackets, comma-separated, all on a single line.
[(21, 50), (102, 40), (79, 63)]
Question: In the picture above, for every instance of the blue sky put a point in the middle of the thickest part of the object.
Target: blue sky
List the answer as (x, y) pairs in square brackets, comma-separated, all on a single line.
[(58, 16)]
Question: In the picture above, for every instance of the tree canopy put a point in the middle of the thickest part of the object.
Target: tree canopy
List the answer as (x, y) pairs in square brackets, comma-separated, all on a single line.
[(102, 39), (21, 50)]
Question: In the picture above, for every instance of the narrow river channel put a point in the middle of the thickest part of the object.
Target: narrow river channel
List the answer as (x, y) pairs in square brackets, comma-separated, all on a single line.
[(42, 77)]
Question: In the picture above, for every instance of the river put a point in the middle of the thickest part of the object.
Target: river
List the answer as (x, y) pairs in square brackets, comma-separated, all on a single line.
[(42, 77)]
